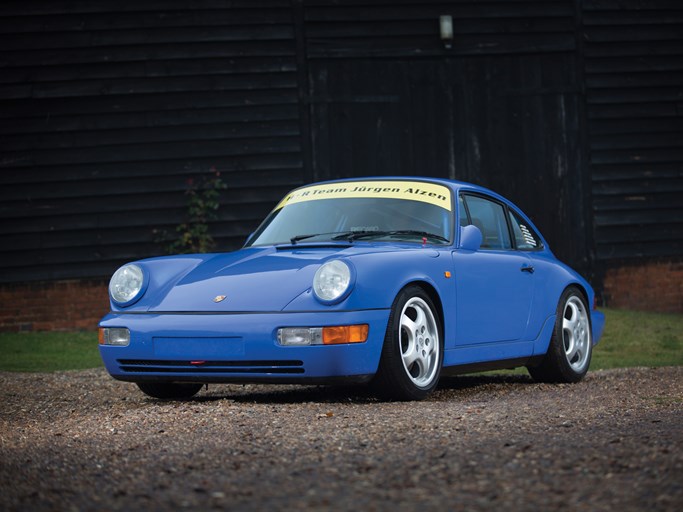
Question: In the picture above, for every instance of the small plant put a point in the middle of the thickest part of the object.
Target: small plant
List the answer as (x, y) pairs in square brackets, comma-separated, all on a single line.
[(193, 236)]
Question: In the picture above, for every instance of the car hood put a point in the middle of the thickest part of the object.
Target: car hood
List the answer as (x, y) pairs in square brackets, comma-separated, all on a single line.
[(248, 280)]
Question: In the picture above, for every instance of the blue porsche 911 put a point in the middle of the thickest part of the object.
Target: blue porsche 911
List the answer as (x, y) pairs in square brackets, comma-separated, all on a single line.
[(385, 281)]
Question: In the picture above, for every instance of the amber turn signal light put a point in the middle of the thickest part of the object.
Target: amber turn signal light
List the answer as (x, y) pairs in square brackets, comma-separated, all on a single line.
[(345, 334)]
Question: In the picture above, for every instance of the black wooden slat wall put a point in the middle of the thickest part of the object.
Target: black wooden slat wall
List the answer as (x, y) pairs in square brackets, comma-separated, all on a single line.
[(634, 90), (106, 110), (409, 28), (573, 108)]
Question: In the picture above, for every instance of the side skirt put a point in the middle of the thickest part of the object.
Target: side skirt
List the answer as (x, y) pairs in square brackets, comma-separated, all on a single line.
[(502, 364)]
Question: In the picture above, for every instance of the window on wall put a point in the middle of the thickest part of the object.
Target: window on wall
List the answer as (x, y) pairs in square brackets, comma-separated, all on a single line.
[(526, 238), (489, 217)]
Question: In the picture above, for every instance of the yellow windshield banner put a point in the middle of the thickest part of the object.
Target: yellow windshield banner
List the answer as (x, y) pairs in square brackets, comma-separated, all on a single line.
[(432, 193)]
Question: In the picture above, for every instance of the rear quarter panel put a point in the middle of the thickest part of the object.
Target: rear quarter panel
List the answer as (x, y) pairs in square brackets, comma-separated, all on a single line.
[(552, 278)]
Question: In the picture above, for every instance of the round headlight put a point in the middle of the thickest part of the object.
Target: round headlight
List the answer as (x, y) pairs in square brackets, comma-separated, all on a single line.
[(126, 284), (332, 281)]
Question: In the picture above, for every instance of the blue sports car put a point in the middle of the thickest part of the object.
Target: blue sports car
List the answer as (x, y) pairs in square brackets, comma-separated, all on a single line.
[(385, 281)]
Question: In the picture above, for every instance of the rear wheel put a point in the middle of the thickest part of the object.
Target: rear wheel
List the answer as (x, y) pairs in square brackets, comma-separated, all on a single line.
[(571, 345), (412, 354), (169, 390)]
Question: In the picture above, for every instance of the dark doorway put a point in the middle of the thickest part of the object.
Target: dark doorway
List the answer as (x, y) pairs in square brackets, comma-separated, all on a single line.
[(511, 123), (373, 117)]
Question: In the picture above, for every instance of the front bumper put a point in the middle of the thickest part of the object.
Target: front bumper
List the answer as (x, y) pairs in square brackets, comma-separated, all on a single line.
[(240, 348)]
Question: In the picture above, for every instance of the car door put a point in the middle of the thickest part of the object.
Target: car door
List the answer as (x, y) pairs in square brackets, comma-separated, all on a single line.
[(495, 284)]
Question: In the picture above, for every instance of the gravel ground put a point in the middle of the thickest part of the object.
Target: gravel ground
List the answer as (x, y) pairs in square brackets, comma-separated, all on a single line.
[(82, 441)]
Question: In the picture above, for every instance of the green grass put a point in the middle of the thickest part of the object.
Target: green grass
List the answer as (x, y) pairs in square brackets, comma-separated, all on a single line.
[(48, 351), (630, 339), (634, 338)]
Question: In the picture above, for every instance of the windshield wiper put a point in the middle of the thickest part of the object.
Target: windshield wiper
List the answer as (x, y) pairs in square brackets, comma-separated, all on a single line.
[(424, 234), (340, 234), (358, 234), (352, 235), (355, 235)]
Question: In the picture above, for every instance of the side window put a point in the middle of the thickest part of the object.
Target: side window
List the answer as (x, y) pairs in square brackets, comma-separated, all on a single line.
[(462, 213), (525, 237), (489, 217)]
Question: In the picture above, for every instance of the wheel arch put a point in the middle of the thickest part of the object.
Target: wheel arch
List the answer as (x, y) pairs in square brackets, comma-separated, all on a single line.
[(557, 362), (584, 293), (394, 380), (434, 296)]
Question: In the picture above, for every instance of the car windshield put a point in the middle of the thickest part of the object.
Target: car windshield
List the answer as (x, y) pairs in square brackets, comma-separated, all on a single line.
[(364, 210)]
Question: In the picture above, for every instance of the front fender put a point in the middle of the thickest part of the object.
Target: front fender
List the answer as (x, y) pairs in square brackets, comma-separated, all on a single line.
[(380, 277)]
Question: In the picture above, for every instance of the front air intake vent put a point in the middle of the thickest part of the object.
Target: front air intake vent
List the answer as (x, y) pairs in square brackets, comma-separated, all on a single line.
[(211, 367)]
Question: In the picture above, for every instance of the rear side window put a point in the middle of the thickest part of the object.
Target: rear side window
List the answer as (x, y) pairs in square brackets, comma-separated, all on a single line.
[(489, 217), (526, 238)]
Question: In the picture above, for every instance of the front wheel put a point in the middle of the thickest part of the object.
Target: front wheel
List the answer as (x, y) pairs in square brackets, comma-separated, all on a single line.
[(169, 390), (412, 354), (571, 345)]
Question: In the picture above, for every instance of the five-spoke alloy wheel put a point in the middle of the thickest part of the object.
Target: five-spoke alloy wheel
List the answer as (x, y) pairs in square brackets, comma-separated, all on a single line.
[(413, 348), (576, 338), (571, 345), (419, 341)]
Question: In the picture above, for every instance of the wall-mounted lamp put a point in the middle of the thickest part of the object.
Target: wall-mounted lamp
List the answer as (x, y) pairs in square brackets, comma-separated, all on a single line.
[(446, 30)]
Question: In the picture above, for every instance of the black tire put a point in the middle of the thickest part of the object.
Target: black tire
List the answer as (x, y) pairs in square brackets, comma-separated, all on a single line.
[(400, 377), (169, 390), (571, 345)]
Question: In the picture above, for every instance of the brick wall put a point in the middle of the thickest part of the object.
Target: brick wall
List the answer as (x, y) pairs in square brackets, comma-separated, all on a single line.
[(654, 286), (74, 305)]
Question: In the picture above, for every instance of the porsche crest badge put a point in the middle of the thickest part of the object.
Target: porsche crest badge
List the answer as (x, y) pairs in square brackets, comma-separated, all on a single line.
[(219, 298)]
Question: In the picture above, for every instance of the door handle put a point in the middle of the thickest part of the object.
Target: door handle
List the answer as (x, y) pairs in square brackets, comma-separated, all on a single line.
[(527, 268)]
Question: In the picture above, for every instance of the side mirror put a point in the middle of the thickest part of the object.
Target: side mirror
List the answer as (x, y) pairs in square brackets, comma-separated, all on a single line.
[(470, 238)]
